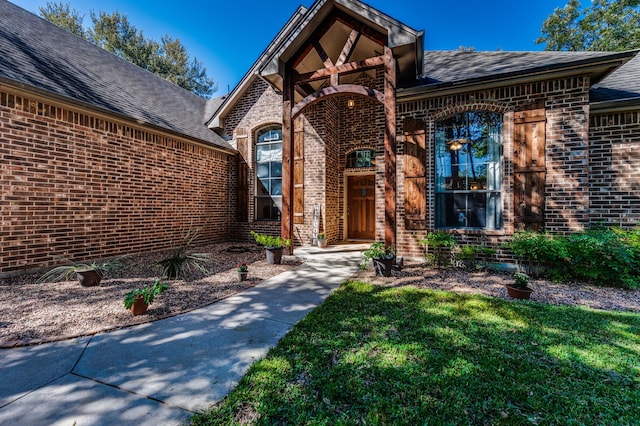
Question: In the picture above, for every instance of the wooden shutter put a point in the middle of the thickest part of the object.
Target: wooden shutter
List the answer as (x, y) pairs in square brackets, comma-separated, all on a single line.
[(415, 174), (242, 193), (298, 170), (529, 168)]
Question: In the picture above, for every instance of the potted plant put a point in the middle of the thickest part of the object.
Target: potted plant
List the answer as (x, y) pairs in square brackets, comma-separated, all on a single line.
[(243, 270), (273, 246), (88, 274), (519, 288), (382, 257), (139, 299), (322, 240)]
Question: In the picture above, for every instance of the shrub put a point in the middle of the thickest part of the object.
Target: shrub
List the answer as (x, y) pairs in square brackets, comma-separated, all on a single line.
[(604, 257), (469, 255), (442, 244), (539, 251), (600, 256)]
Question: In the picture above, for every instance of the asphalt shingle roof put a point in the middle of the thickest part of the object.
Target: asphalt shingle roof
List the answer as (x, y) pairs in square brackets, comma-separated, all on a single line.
[(450, 67), (36, 53), (623, 83)]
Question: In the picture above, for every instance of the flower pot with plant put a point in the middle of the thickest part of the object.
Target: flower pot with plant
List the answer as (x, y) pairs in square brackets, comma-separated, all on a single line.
[(243, 271), (139, 299), (322, 240), (382, 257), (273, 246), (88, 274), (519, 289)]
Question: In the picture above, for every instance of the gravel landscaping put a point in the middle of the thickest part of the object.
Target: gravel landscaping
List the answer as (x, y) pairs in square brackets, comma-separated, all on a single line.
[(40, 312), (491, 283)]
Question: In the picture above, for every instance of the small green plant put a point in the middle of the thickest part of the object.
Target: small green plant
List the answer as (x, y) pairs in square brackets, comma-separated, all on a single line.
[(182, 262), (66, 271), (242, 267), (269, 241), (521, 280), (539, 251), (146, 293), (376, 250), (469, 255), (439, 247), (322, 236)]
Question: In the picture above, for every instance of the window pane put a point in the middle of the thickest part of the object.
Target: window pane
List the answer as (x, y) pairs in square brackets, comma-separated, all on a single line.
[(276, 169), (268, 171), (276, 186), (468, 163), (262, 170)]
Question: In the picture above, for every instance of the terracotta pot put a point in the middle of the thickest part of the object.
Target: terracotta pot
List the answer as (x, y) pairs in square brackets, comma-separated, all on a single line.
[(519, 293), (90, 278), (242, 276), (139, 307), (274, 255), (383, 265)]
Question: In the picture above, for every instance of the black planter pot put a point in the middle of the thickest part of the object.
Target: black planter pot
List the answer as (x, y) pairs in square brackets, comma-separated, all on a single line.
[(274, 255), (383, 265), (90, 278)]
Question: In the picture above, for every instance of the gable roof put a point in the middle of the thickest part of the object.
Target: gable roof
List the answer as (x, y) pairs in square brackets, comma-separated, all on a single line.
[(447, 70), (406, 43), (40, 56)]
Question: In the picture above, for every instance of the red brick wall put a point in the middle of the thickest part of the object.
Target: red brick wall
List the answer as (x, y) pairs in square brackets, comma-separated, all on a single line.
[(604, 158), (83, 186), (258, 107), (567, 145), (614, 160)]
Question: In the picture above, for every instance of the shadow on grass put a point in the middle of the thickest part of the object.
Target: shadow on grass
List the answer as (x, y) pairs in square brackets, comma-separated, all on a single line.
[(373, 355)]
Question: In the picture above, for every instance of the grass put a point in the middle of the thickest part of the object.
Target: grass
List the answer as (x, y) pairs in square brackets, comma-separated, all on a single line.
[(402, 356)]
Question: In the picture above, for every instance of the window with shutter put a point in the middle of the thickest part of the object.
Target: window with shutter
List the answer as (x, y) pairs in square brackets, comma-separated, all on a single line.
[(468, 159)]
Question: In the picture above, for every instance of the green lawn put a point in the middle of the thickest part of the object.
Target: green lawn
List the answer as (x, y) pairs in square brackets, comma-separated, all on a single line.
[(402, 356)]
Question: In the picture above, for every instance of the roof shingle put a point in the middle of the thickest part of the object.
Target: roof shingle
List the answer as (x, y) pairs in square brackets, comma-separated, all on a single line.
[(37, 53)]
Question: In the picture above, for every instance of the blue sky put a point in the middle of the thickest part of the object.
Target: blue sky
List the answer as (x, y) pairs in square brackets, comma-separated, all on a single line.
[(228, 36)]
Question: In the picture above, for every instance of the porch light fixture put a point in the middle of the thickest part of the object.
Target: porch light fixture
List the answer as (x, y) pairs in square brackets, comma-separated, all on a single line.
[(456, 144), (351, 103)]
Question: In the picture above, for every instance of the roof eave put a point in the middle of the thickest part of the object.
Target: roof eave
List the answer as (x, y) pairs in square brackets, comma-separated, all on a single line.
[(618, 105)]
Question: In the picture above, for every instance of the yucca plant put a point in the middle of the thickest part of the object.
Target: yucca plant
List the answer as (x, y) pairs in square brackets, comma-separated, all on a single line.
[(182, 263)]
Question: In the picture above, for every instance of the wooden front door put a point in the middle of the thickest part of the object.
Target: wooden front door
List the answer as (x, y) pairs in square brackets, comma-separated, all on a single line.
[(361, 207)]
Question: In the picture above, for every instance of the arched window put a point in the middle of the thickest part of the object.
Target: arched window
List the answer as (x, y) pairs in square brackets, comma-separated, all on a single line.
[(361, 158), (469, 171), (268, 167)]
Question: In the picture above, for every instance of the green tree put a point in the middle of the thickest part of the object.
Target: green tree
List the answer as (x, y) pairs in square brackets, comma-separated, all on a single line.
[(114, 32), (63, 16), (606, 25)]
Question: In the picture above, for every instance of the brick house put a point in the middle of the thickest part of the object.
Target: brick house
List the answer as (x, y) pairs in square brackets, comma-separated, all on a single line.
[(343, 125)]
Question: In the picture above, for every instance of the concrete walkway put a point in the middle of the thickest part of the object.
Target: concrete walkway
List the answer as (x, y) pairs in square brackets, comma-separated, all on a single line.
[(159, 373)]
